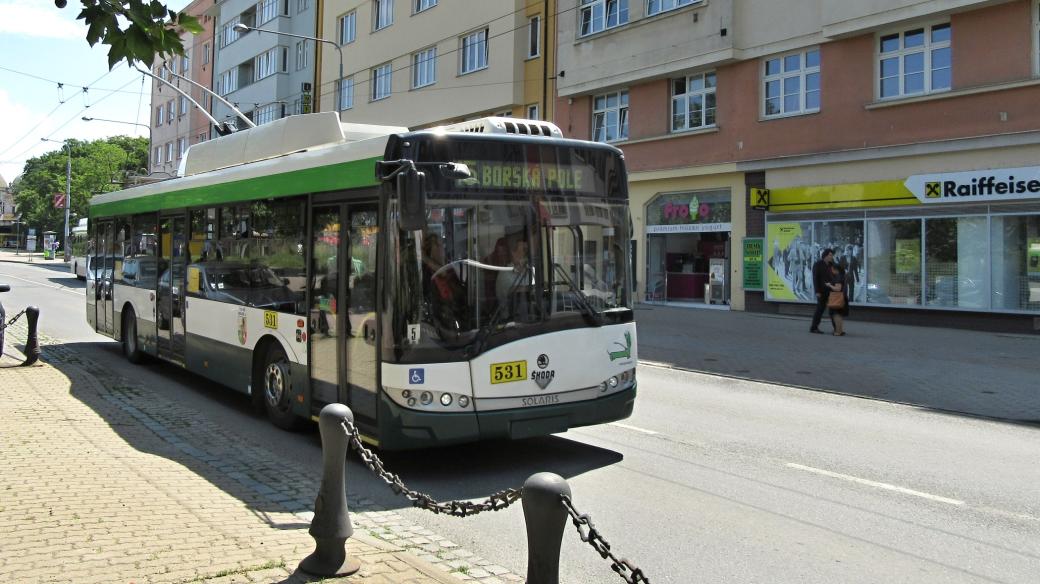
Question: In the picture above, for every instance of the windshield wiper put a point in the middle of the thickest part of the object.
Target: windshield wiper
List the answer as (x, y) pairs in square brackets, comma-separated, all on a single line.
[(594, 317)]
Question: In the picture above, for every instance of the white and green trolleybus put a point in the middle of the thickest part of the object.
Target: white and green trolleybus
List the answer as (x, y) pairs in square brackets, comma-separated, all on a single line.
[(450, 285)]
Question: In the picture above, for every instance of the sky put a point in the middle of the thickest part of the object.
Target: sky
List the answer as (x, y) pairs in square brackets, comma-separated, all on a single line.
[(38, 40)]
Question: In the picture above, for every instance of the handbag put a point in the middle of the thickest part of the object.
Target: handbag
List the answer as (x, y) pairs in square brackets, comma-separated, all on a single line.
[(836, 299)]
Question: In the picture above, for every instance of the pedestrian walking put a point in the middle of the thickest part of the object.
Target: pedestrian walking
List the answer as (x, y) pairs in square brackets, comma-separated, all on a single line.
[(838, 299), (821, 276)]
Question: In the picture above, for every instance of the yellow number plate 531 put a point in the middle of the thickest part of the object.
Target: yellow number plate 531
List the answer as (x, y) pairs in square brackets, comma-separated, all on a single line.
[(506, 372), (270, 319)]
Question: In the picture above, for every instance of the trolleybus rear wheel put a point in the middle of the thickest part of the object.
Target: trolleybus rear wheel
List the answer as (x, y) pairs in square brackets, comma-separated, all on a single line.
[(131, 347), (277, 393)]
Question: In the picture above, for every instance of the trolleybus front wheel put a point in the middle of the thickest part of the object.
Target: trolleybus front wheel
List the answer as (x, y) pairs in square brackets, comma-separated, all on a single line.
[(277, 394)]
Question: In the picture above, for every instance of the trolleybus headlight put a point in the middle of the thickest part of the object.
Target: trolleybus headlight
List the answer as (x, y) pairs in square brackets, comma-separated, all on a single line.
[(411, 402), (463, 401), (445, 399), (426, 398), (612, 382), (406, 393), (603, 386)]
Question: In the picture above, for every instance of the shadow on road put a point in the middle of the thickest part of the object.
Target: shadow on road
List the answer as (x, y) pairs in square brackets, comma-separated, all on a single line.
[(234, 448)]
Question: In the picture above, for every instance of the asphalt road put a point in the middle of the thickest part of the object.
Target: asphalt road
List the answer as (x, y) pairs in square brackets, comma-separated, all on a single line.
[(712, 479)]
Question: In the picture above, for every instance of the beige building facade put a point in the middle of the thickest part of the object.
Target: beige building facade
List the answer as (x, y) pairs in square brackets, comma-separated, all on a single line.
[(821, 123), (419, 63)]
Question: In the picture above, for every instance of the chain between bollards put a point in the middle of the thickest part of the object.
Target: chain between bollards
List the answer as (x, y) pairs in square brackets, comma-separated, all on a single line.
[(587, 532), (494, 502)]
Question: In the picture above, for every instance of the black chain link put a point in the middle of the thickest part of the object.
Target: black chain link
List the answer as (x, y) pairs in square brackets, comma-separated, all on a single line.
[(10, 321), (587, 532), (496, 501)]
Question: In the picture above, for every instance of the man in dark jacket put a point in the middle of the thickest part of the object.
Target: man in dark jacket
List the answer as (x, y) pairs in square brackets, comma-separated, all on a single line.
[(821, 273)]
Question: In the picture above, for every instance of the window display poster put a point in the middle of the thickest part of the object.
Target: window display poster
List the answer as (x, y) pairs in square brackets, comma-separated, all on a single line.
[(1033, 257), (753, 247), (791, 253), (908, 256)]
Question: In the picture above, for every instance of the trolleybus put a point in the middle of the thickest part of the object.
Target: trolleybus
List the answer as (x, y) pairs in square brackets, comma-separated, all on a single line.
[(451, 285)]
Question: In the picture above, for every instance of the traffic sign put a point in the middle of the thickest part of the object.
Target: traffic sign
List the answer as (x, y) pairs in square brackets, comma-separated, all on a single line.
[(59, 200)]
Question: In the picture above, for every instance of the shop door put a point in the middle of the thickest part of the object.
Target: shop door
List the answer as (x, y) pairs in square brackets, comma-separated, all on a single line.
[(170, 303), (342, 307)]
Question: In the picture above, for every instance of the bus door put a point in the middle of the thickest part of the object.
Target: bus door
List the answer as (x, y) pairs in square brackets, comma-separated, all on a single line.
[(103, 265), (342, 318), (169, 297)]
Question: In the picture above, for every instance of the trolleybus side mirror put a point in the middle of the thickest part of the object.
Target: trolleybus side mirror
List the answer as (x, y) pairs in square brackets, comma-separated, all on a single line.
[(5, 288), (411, 191)]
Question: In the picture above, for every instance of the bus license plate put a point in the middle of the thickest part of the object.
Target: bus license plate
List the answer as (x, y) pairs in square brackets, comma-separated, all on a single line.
[(507, 372)]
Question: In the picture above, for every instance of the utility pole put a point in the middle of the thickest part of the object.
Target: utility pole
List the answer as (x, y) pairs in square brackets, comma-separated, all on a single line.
[(68, 194)]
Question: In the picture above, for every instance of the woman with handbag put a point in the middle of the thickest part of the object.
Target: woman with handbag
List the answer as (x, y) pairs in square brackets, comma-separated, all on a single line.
[(838, 299)]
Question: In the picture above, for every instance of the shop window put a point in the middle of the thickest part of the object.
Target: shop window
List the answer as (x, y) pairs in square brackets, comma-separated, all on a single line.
[(894, 261), (1015, 262), (846, 239), (956, 262)]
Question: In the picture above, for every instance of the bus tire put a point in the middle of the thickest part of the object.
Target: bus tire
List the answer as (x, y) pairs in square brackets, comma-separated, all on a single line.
[(131, 344), (275, 380)]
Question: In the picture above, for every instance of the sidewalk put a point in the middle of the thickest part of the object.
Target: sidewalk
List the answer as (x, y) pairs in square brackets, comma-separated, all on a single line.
[(36, 257), (108, 482), (977, 373)]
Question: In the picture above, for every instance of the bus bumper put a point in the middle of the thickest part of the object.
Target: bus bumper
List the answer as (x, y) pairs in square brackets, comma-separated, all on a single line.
[(409, 429)]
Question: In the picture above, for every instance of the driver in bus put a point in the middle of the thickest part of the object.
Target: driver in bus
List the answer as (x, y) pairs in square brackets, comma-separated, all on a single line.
[(513, 286), (442, 287)]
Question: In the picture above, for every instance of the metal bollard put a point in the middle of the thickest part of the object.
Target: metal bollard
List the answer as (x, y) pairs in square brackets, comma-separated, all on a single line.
[(331, 526), (545, 517), (32, 343)]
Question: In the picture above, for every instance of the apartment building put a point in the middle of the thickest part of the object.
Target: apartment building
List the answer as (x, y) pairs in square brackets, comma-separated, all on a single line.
[(8, 216), (901, 133), (265, 73), (176, 122), (420, 63)]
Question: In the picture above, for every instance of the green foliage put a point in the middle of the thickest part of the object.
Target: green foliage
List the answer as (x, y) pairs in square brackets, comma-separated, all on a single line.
[(98, 166), (151, 29)]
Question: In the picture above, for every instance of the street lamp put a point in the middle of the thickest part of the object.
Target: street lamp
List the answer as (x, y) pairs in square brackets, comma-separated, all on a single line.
[(89, 119), (242, 28), (68, 192)]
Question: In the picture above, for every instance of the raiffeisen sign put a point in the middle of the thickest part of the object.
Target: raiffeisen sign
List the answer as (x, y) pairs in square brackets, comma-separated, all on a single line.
[(1005, 184)]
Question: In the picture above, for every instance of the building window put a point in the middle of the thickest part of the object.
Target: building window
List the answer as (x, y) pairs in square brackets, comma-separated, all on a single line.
[(228, 34), (228, 81), (160, 115), (302, 56), (381, 82), (205, 54), (693, 102), (384, 13), (791, 83), (183, 105), (266, 114), (157, 156), (266, 11), (532, 112), (474, 51), (170, 111), (169, 152), (599, 15), (182, 147), (424, 68), (348, 28), (266, 64), (302, 5), (610, 116), (534, 36), (346, 93), (185, 64), (421, 5), (914, 62), (658, 6)]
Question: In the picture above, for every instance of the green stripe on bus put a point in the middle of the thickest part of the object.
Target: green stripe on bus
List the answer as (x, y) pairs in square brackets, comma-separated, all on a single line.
[(347, 175)]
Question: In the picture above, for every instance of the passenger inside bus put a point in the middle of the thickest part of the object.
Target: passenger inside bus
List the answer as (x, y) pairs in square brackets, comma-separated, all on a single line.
[(513, 287)]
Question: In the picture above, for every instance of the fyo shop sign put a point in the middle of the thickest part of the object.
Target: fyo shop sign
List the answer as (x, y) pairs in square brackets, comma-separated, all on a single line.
[(689, 212)]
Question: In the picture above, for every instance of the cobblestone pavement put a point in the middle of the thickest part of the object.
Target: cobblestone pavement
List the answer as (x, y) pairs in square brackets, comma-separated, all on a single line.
[(109, 481)]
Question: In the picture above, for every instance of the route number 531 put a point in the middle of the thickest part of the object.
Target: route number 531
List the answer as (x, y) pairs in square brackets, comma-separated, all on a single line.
[(509, 371)]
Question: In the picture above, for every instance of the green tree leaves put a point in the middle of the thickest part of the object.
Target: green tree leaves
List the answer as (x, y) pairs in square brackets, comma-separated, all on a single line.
[(135, 30), (98, 166)]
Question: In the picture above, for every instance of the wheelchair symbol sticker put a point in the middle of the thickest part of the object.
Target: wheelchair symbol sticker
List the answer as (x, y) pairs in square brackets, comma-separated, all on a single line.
[(416, 376)]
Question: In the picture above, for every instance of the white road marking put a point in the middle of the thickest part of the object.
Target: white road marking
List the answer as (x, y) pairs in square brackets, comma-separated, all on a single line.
[(76, 291), (634, 428), (875, 484)]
